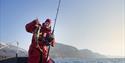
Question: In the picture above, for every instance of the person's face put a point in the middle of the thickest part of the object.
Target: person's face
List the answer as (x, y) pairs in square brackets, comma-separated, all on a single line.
[(47, 24)]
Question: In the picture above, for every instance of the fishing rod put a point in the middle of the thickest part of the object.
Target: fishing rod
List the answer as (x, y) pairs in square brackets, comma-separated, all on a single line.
[(54, 26)]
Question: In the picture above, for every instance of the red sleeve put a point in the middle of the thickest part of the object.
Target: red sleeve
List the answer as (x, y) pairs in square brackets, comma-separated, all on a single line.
[(30, 27)]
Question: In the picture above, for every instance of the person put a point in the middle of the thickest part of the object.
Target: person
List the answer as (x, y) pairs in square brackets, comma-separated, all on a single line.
[(38, 49)]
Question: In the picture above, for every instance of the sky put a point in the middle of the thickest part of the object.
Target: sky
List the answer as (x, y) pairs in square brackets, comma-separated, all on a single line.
[(97, 25)]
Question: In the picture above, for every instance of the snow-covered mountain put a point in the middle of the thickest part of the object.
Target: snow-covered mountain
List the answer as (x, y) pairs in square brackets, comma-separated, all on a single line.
[(60, 53), (90, 54), (8, 50), (66, 51)]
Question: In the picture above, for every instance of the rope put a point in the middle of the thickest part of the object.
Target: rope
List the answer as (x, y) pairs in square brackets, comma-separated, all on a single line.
[(37, 31)]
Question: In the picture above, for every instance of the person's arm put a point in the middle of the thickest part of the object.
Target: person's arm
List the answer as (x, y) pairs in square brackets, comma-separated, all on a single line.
[(30, 27)]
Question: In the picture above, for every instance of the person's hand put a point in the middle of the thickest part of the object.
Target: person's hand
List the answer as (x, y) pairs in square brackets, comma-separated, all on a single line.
[(52, 44), (37, 25)]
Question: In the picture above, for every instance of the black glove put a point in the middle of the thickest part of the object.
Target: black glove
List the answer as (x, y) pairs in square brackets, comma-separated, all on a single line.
[(46, 40), (49, 38)]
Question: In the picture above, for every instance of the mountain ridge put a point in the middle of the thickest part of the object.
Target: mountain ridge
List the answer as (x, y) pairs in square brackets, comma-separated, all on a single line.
[(59, 51), (67, 51)]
